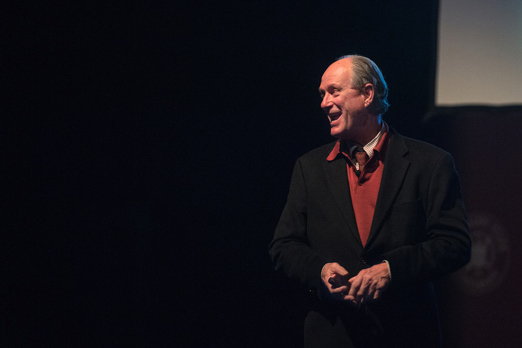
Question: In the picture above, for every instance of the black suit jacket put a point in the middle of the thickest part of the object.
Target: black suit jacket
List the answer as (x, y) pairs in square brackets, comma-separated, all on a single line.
[(419, 227)]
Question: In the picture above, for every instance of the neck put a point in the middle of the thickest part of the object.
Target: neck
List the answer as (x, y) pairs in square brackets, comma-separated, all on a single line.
[(372, 128)]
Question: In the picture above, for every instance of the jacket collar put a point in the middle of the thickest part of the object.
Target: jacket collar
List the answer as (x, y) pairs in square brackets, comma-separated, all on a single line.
[(396, 166)]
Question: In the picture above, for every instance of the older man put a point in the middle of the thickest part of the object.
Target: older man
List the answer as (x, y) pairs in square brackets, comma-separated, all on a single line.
[(371, 219)]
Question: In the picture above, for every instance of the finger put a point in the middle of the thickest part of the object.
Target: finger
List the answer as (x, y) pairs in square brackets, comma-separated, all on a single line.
[(363, 290), (377, 295), (379, 291), (348, 298), (370, 294), (355, 283), (372, 288), (335, 269), (340, 270), (350, 302), (381, 287), (339, 292)]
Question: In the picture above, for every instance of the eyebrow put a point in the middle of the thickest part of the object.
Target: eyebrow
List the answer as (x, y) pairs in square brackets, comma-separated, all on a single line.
[(334, 86)]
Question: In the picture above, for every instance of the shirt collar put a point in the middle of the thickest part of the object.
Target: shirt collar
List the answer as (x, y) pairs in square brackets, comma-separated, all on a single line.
[(347, 148)]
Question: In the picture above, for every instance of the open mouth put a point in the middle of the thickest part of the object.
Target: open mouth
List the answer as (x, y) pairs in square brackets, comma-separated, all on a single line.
[(334, 117)]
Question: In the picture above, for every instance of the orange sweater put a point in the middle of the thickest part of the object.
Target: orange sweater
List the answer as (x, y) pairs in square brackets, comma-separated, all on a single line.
[(365, 189)]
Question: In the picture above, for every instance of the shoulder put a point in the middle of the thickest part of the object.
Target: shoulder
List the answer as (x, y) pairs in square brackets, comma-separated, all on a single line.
[(415, 147), (422, 157), (318, 154)]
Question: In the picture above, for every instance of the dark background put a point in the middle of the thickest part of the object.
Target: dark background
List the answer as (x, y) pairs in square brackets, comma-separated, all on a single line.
[(147, 151)]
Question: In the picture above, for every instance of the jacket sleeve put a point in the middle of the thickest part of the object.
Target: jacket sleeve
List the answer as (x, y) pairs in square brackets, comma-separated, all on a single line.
[(448, 244), (290, 248)]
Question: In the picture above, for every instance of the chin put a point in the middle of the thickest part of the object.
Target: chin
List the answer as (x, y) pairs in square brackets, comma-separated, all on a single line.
[(336, 133)]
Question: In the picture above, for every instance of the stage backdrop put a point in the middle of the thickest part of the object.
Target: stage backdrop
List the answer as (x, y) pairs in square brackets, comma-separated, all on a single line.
[(481, 304)]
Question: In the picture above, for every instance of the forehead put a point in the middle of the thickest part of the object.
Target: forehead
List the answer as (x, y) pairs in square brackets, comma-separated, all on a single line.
[(338, 73)]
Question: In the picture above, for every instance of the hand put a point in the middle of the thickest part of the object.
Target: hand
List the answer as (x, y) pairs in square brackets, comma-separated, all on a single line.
[(369, 284), (335, 278)]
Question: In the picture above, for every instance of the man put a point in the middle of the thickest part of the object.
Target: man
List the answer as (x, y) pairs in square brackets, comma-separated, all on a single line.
[(371, 219)]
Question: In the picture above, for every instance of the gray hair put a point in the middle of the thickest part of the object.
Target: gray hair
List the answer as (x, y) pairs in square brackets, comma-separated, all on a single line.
[(366, 71)]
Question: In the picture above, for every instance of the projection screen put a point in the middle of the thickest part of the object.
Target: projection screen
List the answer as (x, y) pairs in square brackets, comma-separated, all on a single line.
[(479, 53)]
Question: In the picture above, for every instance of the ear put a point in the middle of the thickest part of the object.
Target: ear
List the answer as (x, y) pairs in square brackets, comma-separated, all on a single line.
[(368, 92)]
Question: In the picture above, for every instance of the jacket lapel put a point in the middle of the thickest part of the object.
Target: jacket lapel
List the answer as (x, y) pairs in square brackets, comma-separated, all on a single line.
[(395, 167), (338, 180)]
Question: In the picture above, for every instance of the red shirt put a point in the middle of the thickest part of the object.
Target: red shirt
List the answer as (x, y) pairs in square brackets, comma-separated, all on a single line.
[(365, 188)]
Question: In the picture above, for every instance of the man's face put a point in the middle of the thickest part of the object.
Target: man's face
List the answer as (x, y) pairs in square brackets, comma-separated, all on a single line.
[(343, 104)]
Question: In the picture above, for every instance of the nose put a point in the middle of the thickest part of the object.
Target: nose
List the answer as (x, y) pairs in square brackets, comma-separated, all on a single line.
[(326, 103)]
